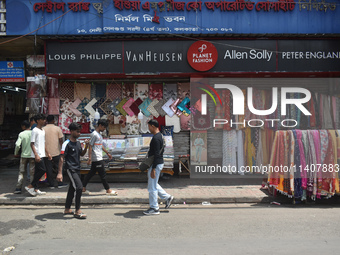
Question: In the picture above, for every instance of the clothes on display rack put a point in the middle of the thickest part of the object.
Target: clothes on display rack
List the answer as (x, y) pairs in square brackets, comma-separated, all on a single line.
[(304, 163)]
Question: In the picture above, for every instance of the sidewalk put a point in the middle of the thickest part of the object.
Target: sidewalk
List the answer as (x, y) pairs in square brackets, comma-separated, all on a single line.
[(184, 189)]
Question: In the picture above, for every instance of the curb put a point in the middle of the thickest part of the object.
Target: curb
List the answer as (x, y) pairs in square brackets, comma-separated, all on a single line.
[(58, 200)]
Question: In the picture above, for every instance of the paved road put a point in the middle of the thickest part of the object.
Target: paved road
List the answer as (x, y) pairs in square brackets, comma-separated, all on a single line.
[(183, 229)]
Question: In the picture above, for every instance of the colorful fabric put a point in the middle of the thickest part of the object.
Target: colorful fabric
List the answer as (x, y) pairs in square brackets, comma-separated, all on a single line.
[(53, 106), (158, 107), (65, 108), (119, 107), (156, 91), (66, 90), (185, 122), (174, 108), (183, 106), (327, 122), (114, 129), (128, 90), (64, 122), (82, 90), (167, 109), (183, 90), (173, 121), (167, 130), (143, 107), (81, 106), (97, 105), (73, 107), (141, 91), (113, 91), (134, 106), (229, 149), (85, 127), (151, 108), (33, 105), (53, 88), (89, 107), (127, 106), (112, 107), (132, 129), (105, 106), (170, 91)]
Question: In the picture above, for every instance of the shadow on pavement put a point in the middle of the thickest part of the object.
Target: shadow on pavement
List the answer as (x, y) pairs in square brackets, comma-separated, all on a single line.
[(132, 214), (53, 216)]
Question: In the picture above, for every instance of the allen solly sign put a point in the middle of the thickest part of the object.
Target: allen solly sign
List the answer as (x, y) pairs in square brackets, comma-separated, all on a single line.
[(238, 105)]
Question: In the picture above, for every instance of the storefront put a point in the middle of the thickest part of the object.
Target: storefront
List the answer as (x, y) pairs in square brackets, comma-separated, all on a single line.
[(135, 60)]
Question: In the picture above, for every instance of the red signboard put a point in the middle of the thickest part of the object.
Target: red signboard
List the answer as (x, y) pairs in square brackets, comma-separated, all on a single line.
[(202, 56)]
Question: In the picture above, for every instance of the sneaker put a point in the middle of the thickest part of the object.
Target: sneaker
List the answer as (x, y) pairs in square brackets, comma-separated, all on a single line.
[(62, 185), (168, 202), (40, 192), (17, 191), (31, 191), (151, 211)]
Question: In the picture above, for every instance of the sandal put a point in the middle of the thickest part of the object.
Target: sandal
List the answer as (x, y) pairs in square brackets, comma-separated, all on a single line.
[(80, 216), (112, 193)]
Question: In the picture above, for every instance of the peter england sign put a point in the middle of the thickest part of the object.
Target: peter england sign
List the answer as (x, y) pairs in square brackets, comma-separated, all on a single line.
[(155, 57)]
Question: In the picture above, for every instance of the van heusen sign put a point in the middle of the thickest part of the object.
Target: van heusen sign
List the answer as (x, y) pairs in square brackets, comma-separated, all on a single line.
[(172, 17), (154, 57)]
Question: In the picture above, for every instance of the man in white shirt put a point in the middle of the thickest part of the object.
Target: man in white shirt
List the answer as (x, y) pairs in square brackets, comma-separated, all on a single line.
[(39, 152), (96, 149)]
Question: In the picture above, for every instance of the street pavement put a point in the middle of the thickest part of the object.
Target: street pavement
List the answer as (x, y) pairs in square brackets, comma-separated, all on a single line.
[(233, 228), (185, 190)]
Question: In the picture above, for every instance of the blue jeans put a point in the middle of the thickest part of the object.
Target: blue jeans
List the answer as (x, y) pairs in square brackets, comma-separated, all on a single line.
[(155, 189)]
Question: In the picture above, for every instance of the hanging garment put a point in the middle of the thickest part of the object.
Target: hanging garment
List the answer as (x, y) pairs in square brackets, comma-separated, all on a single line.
[(141, 91), (240, 152), (170, 91), (66, 90), (183, 90), (114, 91), (229, 150), (327, 122), (156, 91), (144, 128), (82, 90), (128, 90), (173, 121), (298, 156)]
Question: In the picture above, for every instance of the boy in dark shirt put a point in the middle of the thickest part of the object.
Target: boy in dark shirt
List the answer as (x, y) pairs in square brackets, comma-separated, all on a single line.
[(155, 190), (70, 153)]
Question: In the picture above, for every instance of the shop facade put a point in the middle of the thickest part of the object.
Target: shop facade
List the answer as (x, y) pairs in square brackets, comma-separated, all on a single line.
[(163, 59)]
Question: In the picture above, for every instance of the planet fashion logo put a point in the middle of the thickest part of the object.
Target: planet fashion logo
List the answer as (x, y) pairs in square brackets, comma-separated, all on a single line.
[(202, 56), (238, 105)]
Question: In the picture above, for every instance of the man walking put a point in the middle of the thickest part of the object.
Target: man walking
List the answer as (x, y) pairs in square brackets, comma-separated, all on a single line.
[(70, 154), (96, 149), (53, 141), (155, 190), (39, 153), (24, 142)]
